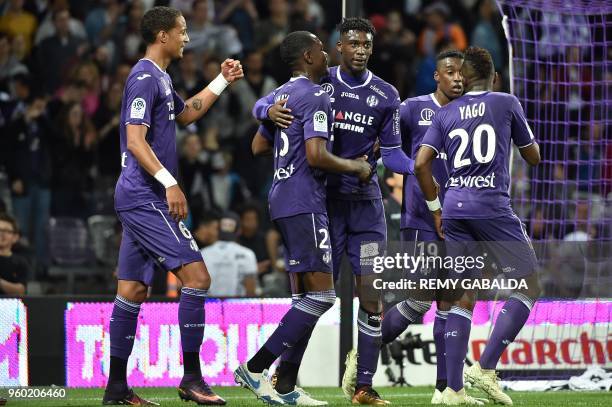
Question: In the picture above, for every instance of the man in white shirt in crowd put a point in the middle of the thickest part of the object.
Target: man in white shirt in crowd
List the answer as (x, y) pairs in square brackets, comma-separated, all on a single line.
[(233, 267)]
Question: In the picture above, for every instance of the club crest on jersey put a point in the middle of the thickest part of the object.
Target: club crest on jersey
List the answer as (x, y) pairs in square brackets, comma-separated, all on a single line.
[(326, 257), (426, 115), (372, 101), (137, 109), (329, 88)]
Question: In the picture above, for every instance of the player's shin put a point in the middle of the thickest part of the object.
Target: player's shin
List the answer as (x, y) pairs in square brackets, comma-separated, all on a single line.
[(122, 332), (402, 314), (510, 321), (439, 328), (191, 324), (295, 325), (457, 335), (369, 340), (290, 360)]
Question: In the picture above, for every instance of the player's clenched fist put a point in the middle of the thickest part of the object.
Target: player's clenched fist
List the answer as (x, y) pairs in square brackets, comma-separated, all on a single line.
[(177, 204), (231, 69)]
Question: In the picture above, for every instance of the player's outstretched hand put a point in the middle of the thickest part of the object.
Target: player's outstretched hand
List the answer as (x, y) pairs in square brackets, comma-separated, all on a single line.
[(280, 115), (437, 215), (231, 70), (177, 204), (364, 172)]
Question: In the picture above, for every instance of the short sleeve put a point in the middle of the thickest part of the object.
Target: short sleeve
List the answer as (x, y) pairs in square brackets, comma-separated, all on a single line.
[(179, 103), (247, 264), (267, 130), (434, 136), (141, 92), (316, 109), (522, 136), (390, 135)]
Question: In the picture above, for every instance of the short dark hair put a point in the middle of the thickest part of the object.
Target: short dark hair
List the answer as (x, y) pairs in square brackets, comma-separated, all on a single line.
[(157, 19), (207, 218), (451, 53), (5, 217), (249, 207), (357, 24), (294, 45), (479, 59)]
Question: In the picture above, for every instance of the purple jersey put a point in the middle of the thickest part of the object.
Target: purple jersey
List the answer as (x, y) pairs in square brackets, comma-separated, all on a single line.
[(298, 188), (364, 110), (476, 131), (416, 115), (148, 99)]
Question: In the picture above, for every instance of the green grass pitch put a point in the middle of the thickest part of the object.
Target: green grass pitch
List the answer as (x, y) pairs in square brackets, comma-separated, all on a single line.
[(411, 396)]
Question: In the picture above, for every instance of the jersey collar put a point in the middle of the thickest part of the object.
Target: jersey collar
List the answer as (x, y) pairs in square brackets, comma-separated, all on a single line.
[(476, 92), (153, 62), (295, 78), (433, 98), (339, 77)]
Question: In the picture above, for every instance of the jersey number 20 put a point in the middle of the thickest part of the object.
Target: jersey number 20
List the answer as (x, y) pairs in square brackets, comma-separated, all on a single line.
[(476, 145)]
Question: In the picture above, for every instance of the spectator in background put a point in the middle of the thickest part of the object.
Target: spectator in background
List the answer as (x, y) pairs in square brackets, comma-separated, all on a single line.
[(106, 120), (245, 93), (306, 15), (269, 34), (207, 38), (218, 119), (195, 176), (189, 78), (232, 267), (73, 157), (14, 270), (242, 15), (485, 35), (394, 47), (48, 27), (254, 238), (228, 188), (58, 52), (104, 21), (9, 65), (439, 30), (30, 172), (88, 74), (130, 45), (206, 229), (16, 22), (393, 204)]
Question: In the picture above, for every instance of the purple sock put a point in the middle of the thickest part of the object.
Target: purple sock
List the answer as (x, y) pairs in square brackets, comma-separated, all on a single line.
[(457, 335), (299, 321), (509, 322), (402, 314), (191, 325), (123, 327), (369, 340), (294, 354), (438, 334)]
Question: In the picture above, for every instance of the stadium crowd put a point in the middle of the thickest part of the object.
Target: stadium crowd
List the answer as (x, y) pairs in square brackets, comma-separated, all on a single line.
[(63, 65)]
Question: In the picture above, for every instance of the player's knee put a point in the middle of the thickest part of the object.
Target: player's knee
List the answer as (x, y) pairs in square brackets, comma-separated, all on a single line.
[(133, 291), (201, 281)]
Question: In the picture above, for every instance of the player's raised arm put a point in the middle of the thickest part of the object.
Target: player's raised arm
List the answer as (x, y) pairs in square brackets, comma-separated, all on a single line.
[(196, 106), (391, 151)]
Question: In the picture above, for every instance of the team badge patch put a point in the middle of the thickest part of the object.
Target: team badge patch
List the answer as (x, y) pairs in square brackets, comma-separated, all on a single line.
[(372, 101), (137, 110)]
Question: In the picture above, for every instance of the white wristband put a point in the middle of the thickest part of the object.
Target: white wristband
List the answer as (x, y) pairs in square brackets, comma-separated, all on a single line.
[(434, 205), (165, 178), (218, 85)]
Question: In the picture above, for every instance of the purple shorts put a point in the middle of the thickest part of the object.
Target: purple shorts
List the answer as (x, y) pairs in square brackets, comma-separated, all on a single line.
[(418, 235), (504, 238), (359, 229), (306, 238), (151, 236)]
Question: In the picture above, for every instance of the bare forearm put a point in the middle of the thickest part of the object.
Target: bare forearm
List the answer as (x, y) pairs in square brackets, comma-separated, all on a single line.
[(426, 182), (11, 288), (145, 156), (197, 106), (328, 162)]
